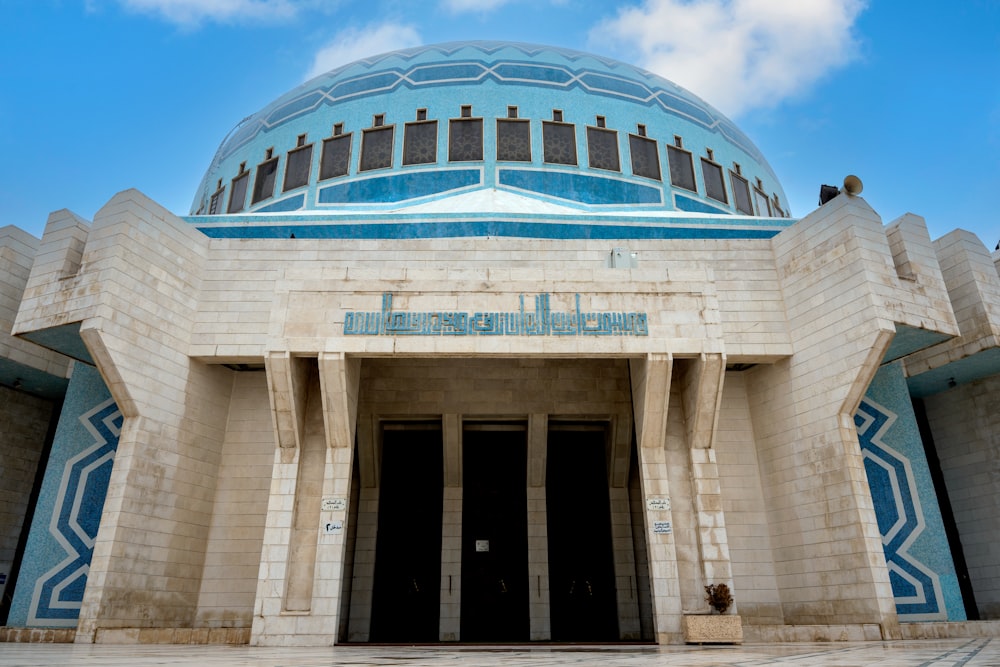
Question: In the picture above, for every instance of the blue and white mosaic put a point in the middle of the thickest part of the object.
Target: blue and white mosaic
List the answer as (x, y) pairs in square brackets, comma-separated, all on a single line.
[(489, 80), (57, 557), (921, 571)]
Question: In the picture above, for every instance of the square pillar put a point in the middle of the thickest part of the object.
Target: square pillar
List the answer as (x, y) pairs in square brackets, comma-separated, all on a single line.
[(650, 395)]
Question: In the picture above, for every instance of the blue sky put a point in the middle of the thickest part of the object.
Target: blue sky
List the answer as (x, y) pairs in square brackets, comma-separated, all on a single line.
[(97, 96)]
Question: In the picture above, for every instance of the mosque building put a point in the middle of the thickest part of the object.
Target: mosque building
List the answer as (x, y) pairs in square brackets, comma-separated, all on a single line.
[(503, 343)]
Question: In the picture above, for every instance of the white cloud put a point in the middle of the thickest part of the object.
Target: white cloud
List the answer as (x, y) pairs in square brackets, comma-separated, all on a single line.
[(738, 54), (351, 44), (191, 13)]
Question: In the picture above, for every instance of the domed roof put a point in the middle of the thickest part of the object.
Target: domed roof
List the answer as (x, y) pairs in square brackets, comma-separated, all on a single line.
[(487, 124)]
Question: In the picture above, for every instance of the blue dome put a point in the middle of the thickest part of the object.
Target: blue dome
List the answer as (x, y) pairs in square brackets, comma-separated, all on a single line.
[(565, 129)]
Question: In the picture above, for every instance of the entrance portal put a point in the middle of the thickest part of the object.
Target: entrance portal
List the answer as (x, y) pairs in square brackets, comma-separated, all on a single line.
[(494, 534), (406, 599), (581, 560)]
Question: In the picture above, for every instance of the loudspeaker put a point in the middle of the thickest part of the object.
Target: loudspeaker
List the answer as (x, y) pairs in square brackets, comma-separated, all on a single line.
[(853, 185)]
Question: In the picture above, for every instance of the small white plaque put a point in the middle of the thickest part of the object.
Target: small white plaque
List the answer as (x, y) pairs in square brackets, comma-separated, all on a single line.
[(334, 504), (658, 504), (333, 527), (662, 527), (482, 545)]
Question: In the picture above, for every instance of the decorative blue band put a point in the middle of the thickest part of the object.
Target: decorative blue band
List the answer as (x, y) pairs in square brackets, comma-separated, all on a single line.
[(502, 228), (541, 322), (580, 187)]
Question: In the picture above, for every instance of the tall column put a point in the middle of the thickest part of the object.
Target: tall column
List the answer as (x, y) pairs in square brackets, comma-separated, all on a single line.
[(286, 379), (340, 378), (701, 391), (650, 394), (314, 403), (538, 534), (451, 530), (306, 508)]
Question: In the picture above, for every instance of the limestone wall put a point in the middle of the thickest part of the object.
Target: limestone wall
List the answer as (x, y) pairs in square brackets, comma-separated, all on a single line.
[(159, 306), (131, 281), (232, 558), (827, 548), (974, 292), (754, 585), (17, 255), (965, 423), (24, 422), (692, 290)]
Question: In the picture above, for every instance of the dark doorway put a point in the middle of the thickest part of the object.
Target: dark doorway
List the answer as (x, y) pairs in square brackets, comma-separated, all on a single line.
[(406, 600), (494, 534), (581, 560)]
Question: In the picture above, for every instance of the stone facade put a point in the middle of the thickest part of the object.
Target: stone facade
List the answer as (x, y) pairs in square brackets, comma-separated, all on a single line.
[(801, 410), (212, 510)]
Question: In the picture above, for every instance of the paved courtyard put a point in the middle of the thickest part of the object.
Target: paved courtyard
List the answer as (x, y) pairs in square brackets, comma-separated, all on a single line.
[(927, 653)]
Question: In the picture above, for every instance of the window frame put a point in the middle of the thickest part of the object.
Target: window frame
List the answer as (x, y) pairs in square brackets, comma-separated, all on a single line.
[(599, 130), (258, 194), (758, 196), (707, 161), (743, 186), (681, 152), (470, 121), (349, 138), (244, 175), (303, 148), (406, 130), (557, 123), (513, 122), (372, 131), (644, 140)]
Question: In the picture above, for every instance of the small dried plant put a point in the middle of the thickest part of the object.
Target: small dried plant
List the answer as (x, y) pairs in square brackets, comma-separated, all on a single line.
[(718, 596)]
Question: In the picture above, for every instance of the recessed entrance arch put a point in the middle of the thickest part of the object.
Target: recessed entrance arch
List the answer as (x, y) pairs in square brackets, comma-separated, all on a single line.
[(501, 575)]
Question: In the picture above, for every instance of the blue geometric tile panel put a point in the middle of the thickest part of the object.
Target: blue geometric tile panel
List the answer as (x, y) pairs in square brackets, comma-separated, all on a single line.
[(921, 570), (60, 545)]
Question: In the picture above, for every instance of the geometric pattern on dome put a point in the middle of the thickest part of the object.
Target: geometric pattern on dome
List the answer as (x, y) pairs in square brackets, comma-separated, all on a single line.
[(596, 75)]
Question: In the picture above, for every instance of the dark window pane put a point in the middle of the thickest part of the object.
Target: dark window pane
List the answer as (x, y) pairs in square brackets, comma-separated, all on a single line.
[(559, 142), (263, 184), (602, 149), (216, 203), (714, 185), (297, 167), (238, 197), (336, 157), (681, 168), (465, 139), (420, 143), (645, 157), (513, 140), (741, 193), (763, 203), (376, 148)]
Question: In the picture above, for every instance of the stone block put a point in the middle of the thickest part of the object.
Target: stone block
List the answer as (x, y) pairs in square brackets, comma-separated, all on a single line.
[(712, 629)]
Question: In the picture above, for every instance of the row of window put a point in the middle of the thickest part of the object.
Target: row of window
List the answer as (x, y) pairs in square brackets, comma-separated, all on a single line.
[(513, 144)]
